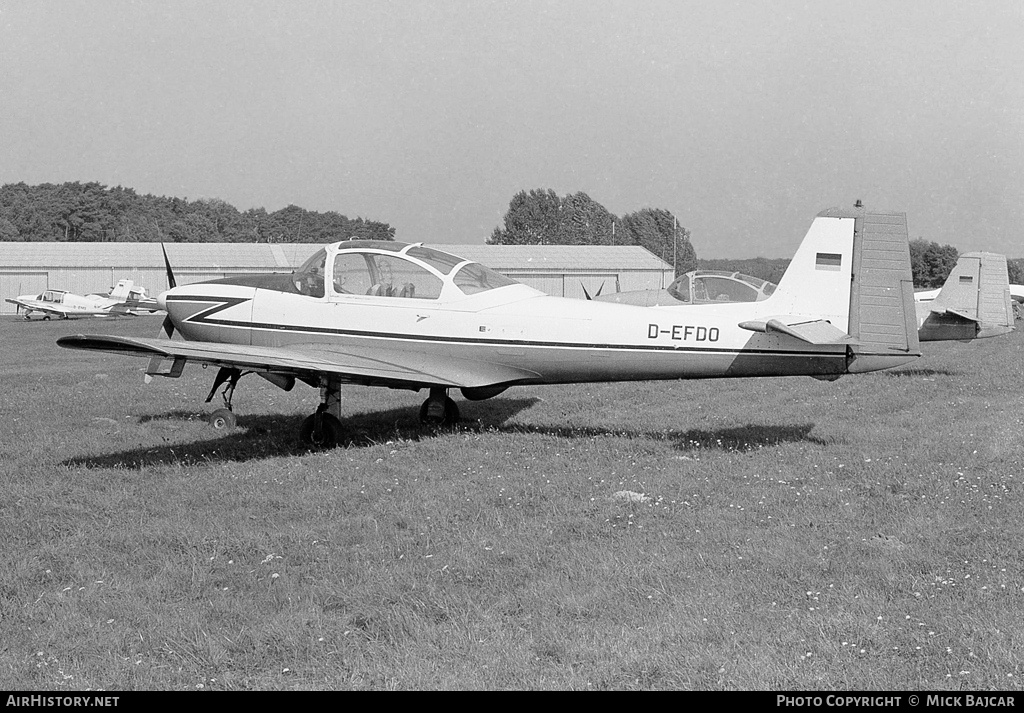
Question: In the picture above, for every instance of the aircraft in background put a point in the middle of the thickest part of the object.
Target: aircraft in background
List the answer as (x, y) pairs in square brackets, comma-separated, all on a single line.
[(123, 299), (974, 302), (697, 287), (381, 313)]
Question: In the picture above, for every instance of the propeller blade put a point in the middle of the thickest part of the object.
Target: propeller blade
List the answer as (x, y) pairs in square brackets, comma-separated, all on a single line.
[(587, 294), (168, 326), (598, 293), (170, 273)]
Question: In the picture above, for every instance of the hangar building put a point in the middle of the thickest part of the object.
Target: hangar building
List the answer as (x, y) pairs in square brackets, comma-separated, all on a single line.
[(84, 268)]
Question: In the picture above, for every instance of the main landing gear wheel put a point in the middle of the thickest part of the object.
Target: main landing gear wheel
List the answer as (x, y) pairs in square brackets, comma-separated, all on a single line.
[(321, 430), (439, 410), (223, 420)]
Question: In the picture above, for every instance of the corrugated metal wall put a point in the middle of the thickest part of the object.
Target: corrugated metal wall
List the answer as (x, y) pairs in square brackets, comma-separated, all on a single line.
[(565, 277)]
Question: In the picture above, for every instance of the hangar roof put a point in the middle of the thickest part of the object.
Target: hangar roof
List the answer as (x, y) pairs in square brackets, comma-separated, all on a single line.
[(287, 255)]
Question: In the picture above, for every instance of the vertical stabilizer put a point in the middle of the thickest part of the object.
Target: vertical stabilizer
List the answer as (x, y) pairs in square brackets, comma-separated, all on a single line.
[(816, 283), (852, 271), (974, 302), (122, 290)]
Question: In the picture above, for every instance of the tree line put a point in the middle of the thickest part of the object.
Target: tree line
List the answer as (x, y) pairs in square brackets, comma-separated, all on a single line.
[(92, 212)]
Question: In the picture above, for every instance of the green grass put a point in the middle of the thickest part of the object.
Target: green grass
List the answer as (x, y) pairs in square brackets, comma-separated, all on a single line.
[(784, 533)]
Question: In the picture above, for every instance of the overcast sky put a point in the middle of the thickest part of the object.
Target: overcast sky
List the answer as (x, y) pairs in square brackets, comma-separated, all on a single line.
[(742, 118)]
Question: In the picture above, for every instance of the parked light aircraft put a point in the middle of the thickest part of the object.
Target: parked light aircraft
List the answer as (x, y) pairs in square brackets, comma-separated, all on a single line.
[(122, 299), (974, 302), (380, 313)]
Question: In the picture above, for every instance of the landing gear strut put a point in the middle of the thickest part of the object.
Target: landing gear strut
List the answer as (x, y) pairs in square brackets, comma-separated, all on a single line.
[(223, 419), (323, 429), (439, 409)]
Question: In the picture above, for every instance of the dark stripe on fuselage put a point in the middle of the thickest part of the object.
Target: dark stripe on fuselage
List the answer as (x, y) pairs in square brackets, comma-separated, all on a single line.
[(203, 318)]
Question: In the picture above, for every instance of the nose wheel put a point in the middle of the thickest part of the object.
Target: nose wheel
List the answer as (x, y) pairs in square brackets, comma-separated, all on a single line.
[(439, 409)]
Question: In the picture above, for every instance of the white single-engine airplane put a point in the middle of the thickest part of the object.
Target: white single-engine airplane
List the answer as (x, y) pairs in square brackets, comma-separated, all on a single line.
[(123, 299), (974, 302), (381, 313)]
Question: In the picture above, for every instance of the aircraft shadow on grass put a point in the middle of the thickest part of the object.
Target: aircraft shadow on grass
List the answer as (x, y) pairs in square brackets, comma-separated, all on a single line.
[(737, 438), (911, 373), (268, 436)]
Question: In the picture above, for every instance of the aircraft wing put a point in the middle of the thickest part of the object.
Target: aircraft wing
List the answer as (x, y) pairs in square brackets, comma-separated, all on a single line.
[(812, 331), (40, 307), (365, 365)]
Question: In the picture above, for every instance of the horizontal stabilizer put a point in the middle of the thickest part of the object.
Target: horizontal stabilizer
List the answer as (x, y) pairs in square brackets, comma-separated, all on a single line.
[(961, 313), (818, 331)]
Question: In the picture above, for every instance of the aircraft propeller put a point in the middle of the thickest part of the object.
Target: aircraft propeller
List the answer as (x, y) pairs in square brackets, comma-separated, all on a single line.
[(168, 325), (596, 294)]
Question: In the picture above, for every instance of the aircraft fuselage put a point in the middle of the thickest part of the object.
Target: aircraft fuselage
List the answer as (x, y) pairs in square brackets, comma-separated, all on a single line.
[(560, 340)]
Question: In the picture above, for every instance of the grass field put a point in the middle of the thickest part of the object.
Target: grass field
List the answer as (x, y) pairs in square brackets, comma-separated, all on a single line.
[(733, 534)]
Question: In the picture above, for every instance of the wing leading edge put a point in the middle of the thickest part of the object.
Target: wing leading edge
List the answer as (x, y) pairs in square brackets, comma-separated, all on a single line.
[(398, 368)]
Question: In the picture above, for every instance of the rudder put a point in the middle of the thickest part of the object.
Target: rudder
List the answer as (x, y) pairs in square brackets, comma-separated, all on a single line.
[(883, 320)]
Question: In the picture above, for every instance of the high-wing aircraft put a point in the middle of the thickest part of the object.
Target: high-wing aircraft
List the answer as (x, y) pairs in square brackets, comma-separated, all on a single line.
[(124, 298), (974, 302), (380, 313)]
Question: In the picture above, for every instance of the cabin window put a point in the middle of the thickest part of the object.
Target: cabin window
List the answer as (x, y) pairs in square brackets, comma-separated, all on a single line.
[(309, 279), (723, 289), (440, 261), (395, 277), (680, 288), (474, 277), (351, 274), (383, 276)]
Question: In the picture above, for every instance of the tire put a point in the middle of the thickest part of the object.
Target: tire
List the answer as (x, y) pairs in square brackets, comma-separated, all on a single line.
[(328, 436), (433, 413), (223, 420)]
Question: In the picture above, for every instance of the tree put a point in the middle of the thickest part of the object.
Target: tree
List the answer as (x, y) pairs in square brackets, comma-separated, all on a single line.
[(531, 219), (658, 231), (931, 263), (541, 217), (1015, 270)]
